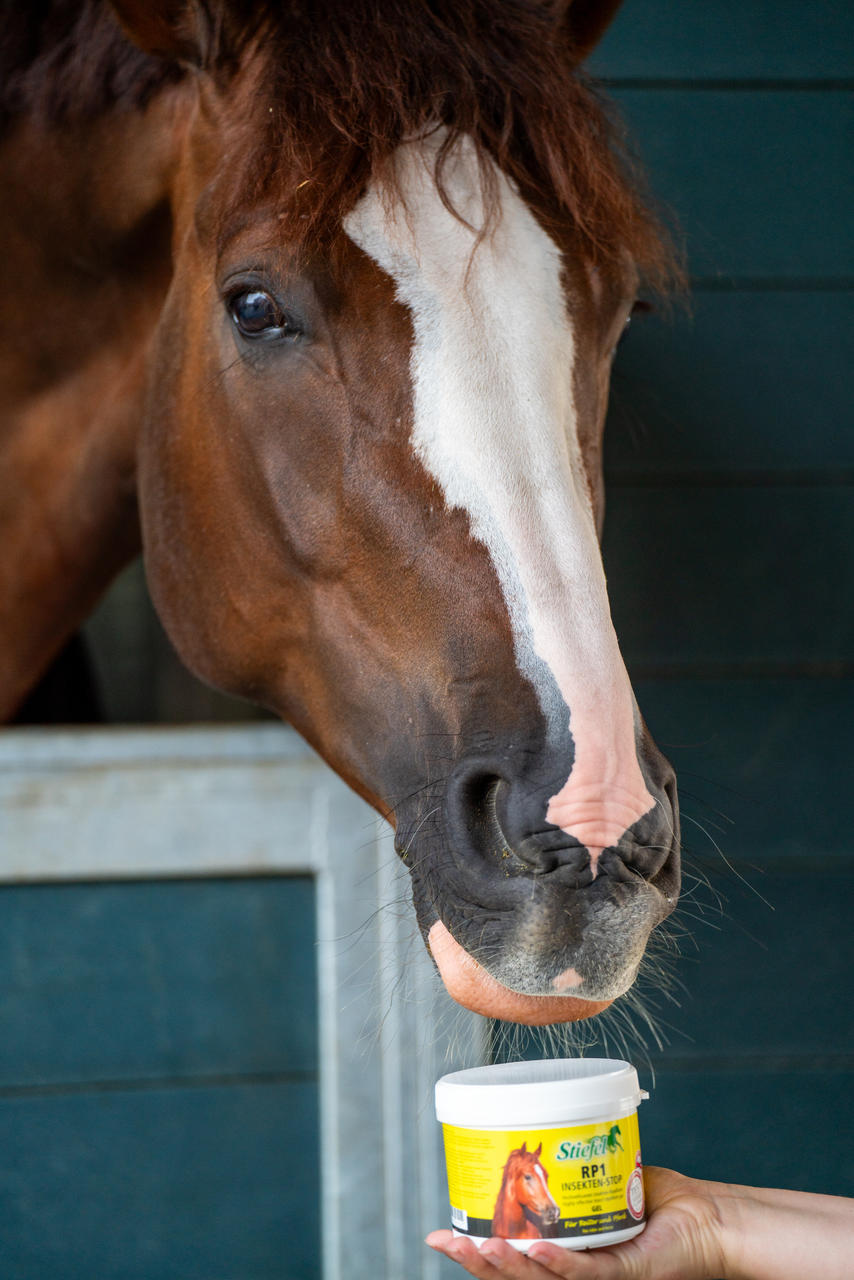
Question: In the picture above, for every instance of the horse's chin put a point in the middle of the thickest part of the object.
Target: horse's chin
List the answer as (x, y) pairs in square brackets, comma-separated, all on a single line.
[(471, 986)]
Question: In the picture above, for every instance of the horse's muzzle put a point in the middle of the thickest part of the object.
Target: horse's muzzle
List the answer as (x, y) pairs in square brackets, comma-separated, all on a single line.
[(537, 915)]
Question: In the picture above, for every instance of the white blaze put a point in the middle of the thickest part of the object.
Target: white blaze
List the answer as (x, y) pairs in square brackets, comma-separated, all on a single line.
[(495, 425), (541, 1174)]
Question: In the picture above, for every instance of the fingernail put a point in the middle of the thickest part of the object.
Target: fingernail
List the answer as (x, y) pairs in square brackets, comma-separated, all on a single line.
[(439, 1246)]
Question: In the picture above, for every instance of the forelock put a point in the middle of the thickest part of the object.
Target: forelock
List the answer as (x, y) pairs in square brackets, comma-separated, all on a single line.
[(336, 89)]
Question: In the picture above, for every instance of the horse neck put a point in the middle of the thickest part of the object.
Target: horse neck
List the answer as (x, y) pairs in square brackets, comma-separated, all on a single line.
[(510, 1217), (85, 227)]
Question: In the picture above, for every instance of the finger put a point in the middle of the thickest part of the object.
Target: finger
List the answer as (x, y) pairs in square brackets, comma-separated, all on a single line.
[(439, 1239), (513, 1265), (466, 1253), (587, 1264), (496, 1258)]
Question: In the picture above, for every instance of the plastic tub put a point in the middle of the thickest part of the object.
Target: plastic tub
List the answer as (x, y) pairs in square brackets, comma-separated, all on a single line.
[(544, 1150)]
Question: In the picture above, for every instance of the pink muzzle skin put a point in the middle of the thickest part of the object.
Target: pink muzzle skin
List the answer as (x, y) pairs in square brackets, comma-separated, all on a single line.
[(470, 985)]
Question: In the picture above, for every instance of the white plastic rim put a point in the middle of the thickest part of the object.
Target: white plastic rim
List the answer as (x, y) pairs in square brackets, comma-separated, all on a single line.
[(576, 1243), (547, 1093)]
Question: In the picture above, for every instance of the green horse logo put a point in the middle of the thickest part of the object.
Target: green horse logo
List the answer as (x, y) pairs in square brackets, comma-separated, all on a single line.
[(613, 1139), (598, 1145)]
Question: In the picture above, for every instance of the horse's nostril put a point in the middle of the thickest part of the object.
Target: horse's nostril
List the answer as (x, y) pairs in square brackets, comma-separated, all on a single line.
[(499, 822), (495, 842), (477, 794), (502, 822), (522, 850), (472, 814), (473, 787)]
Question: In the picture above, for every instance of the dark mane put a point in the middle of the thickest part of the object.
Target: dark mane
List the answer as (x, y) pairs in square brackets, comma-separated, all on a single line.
[(338, 84), (342, 84), (69, 59)]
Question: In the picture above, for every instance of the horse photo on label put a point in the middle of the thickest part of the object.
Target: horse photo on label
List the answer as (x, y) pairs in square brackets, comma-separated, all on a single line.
[(525, 1207)]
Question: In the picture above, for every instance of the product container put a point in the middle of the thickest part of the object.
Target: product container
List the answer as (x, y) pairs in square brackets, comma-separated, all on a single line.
[(544, 1150)]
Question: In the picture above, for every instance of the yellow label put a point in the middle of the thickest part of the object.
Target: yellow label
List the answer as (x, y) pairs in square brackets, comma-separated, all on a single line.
[(528, 1184)]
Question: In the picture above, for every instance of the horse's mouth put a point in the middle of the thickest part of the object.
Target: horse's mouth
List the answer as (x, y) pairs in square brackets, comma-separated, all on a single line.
[(550, 1215), (470, 985)]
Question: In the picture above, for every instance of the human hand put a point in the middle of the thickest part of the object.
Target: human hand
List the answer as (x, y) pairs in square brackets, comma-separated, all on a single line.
[(682, 1241)]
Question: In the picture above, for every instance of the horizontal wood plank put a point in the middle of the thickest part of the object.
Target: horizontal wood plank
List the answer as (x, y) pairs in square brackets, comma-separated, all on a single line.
[(721, 40), (111, 803), (729, 576), (50, 751), (746, 382), (148, 980), (782, 1130), (162, 1185), (762, 980), (761, 767), (761, 183)]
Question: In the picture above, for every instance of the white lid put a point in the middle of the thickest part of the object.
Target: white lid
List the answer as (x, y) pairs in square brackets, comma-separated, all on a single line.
[(548, 1092)]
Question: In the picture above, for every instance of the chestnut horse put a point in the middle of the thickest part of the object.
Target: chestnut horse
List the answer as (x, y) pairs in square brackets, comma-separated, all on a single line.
[(524, 1204), (316, 305)]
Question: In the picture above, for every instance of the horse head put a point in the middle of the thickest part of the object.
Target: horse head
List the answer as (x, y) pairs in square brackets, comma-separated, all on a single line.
[(526, 1182), (370, 470)]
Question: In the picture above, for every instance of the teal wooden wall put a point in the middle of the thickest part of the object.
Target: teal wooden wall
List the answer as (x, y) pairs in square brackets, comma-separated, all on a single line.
[(730, 554), (158, 1081)]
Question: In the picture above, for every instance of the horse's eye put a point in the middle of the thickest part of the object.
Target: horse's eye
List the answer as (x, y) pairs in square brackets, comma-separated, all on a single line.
[(257, 315)]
